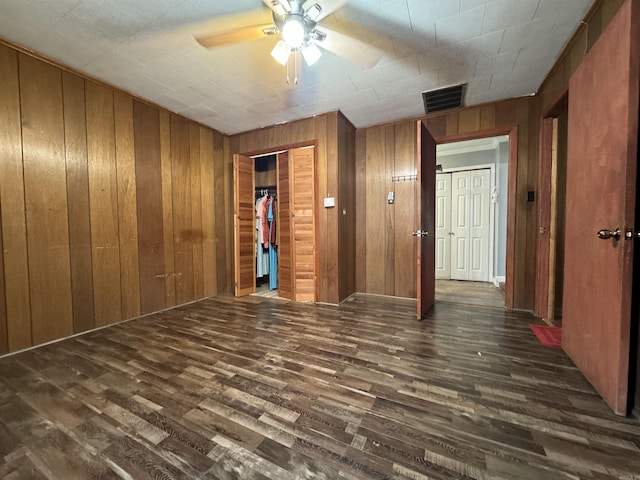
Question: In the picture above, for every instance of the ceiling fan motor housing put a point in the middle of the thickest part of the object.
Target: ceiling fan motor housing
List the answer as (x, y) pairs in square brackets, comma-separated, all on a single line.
[(298, 26)]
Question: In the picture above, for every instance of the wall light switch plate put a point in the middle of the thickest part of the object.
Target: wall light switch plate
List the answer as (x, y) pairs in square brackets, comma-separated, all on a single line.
[(329, 202)]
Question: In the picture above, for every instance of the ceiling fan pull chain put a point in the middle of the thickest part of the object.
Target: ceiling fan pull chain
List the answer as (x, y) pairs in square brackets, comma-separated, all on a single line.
[(295, 67), (287, 69)]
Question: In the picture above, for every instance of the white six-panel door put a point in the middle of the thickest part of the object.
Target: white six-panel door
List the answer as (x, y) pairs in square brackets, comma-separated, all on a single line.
[(469, 217), (443, 225)]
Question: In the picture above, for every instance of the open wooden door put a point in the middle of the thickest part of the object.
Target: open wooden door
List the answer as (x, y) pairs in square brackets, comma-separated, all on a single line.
[(601, 192), (244, 225), (425, 219)]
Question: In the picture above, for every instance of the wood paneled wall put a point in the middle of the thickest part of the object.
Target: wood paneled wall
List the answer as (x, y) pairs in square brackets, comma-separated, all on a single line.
[(557, 80), (386, 249), (109, 208), (325, 132), (346, 207)]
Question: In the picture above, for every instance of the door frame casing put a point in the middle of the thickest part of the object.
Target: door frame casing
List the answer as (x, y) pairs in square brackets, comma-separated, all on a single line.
[(544, 300), (274, 151)]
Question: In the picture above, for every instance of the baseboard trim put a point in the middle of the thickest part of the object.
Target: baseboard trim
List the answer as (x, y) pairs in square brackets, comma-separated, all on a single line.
[(497, 280)]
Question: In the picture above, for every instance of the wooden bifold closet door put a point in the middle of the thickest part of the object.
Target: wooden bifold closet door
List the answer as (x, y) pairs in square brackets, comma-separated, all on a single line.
[(244, 225), (297, 261), (303, 224), (285, 285)]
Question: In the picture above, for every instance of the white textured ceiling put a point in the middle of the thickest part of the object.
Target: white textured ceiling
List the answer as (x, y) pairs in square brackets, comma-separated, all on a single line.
[(500, 48)]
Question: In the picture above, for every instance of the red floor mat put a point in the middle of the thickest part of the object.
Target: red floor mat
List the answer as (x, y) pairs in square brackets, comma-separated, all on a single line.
[(548, 336)]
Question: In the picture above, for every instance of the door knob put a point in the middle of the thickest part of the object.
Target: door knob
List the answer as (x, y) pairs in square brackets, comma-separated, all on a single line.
[(606, 234), (420, 233), (629, 234)]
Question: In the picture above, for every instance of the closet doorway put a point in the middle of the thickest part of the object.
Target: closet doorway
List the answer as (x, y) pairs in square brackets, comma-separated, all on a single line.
[(463, 225), (288, 177)]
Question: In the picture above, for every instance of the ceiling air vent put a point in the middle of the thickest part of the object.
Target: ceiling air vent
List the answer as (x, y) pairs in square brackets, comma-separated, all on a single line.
[(443, 98)]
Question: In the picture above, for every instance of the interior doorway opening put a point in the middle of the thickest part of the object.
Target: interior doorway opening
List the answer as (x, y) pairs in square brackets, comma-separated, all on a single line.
[(266, 198), (552, 185), (471, 220)]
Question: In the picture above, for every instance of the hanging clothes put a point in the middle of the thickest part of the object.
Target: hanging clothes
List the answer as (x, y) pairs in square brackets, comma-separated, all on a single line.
[(262, 254), (264, 221), (273, 254), (273, 234)]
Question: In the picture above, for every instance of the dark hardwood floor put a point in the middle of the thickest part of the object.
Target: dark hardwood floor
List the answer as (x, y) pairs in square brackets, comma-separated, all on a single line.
[(259, 388)]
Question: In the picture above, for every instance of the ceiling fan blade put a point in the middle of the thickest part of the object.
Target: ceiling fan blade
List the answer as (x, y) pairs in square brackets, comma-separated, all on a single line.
[(279, 7), (238, 35), (350, 48), (327, 7)]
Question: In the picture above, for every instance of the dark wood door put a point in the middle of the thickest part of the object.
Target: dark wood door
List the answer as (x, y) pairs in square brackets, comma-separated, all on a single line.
[(426, 219), (601, 192), (244, 225)]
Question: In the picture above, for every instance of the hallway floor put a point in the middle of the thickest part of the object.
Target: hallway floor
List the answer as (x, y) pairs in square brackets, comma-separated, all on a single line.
[(469, 293)]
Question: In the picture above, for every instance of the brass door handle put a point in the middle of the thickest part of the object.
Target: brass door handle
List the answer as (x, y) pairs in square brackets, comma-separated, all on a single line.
[(607, 234)]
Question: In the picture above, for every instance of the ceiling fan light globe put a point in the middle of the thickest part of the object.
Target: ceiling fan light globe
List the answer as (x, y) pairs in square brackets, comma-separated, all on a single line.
[(281, 52), (311, 53), (293, 31)]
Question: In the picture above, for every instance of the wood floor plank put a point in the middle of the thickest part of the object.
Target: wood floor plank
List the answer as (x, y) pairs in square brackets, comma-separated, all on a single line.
[(229, 388)]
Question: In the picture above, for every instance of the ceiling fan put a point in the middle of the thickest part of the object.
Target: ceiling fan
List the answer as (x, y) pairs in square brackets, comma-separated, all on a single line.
[(297, 21)]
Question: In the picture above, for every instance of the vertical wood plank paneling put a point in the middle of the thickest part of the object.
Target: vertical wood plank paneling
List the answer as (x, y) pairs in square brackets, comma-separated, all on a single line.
[(389, 226), (75, 133), (228, 202), (437, 125), (14, 230), (219, 206), (127, 207), (452, 124), (148, 163), (103, 197), (207, 198), (327, 289), (346, 247), (196, 209), (531, 231), (45, 187), (375, 191), (167, 210), (361, 211), (182, 227), (469, 120), (405, 207), (487, 117), (332, 238), (520, 235), (505, 113), (4, 339)]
